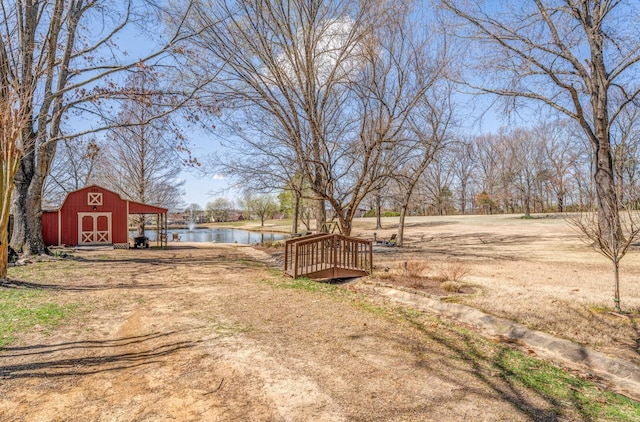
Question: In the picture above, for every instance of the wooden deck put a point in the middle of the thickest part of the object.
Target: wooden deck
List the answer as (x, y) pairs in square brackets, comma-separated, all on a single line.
[(327, 256)]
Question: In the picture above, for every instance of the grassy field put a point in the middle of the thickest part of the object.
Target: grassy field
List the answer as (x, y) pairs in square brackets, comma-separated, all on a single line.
[(538, 272)]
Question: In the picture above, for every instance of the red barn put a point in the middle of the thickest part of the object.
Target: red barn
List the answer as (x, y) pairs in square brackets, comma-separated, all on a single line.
[(96, 216)]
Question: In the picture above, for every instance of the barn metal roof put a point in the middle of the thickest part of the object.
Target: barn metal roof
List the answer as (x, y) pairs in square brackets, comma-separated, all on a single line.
[(134, 207), (138, 208)]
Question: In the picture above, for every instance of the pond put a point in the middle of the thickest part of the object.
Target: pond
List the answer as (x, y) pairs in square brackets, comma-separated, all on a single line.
[(218, 236)]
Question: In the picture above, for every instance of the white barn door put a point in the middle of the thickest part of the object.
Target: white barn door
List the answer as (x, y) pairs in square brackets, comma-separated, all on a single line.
[(94, 228)]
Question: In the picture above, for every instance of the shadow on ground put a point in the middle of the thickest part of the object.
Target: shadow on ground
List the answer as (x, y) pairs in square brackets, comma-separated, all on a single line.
[(91, 356)]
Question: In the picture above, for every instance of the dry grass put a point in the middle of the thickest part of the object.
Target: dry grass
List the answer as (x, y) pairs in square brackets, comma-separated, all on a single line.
[(416, 268), (537, 272), (451, 286), (534, 271), (453, 271)]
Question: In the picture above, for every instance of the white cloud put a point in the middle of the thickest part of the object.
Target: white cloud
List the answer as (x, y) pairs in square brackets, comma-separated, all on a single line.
[(218, 177), (335, 54)]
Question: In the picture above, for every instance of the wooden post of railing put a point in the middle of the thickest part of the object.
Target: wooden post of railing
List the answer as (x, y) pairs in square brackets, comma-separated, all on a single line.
[(334, 244), (295, 263), (370, 259), (286, 256)]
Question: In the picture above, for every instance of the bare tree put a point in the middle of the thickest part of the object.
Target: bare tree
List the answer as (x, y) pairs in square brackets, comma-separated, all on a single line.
[(320, 92), (292, 74), (576, 57), (404, 112), (140, 159), (72, 168), (626, 155), (563, 156), (14, 117), (264, 206), (601, 239), (429, 124), (64, 55), (377, 205), (436, 184), (488, 153), (464, 169), (219, 209), (527, 160)]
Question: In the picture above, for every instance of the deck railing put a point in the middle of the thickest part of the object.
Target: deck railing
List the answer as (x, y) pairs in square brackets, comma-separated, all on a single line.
[(328, 256)]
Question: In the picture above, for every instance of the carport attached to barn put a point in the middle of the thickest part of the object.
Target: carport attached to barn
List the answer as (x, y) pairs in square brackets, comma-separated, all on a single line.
[(97, 216)]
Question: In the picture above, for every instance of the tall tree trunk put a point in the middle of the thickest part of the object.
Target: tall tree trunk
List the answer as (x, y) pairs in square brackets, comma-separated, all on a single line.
[(27, 204), (604, 177), (296, 212), (560, 197), (4, 246), (5, 225), (616, 284), (321, 216), (619, 182), (527, 203), (463, 197), (20, 206), (400, 237), (608, 216), (140, 223), (378, 212)]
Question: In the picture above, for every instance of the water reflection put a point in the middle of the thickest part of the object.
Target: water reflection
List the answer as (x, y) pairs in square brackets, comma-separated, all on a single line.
[(218, 236)]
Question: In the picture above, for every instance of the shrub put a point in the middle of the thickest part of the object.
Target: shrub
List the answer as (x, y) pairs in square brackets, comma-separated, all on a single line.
[(453, 271), (416, 268), (416, 284), (451, 286)]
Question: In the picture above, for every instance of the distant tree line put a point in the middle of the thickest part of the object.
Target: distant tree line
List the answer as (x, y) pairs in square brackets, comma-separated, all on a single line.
[(544, 168)]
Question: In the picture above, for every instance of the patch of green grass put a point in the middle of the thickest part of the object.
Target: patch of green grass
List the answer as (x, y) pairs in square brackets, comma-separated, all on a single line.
[(26, 272), (599, 309), (563, 395), (566, 395), (302, 283), (567, 390), (274, 272), (329, 289), (370, 307), (249, 263), (452, 299), (22, 310)]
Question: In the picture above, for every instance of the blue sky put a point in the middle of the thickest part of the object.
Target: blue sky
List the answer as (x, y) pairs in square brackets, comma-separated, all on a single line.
[(200, 189), (202, 186)]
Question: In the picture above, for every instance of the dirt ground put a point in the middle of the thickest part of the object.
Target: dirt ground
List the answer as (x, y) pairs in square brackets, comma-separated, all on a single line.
[(204, 333)]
